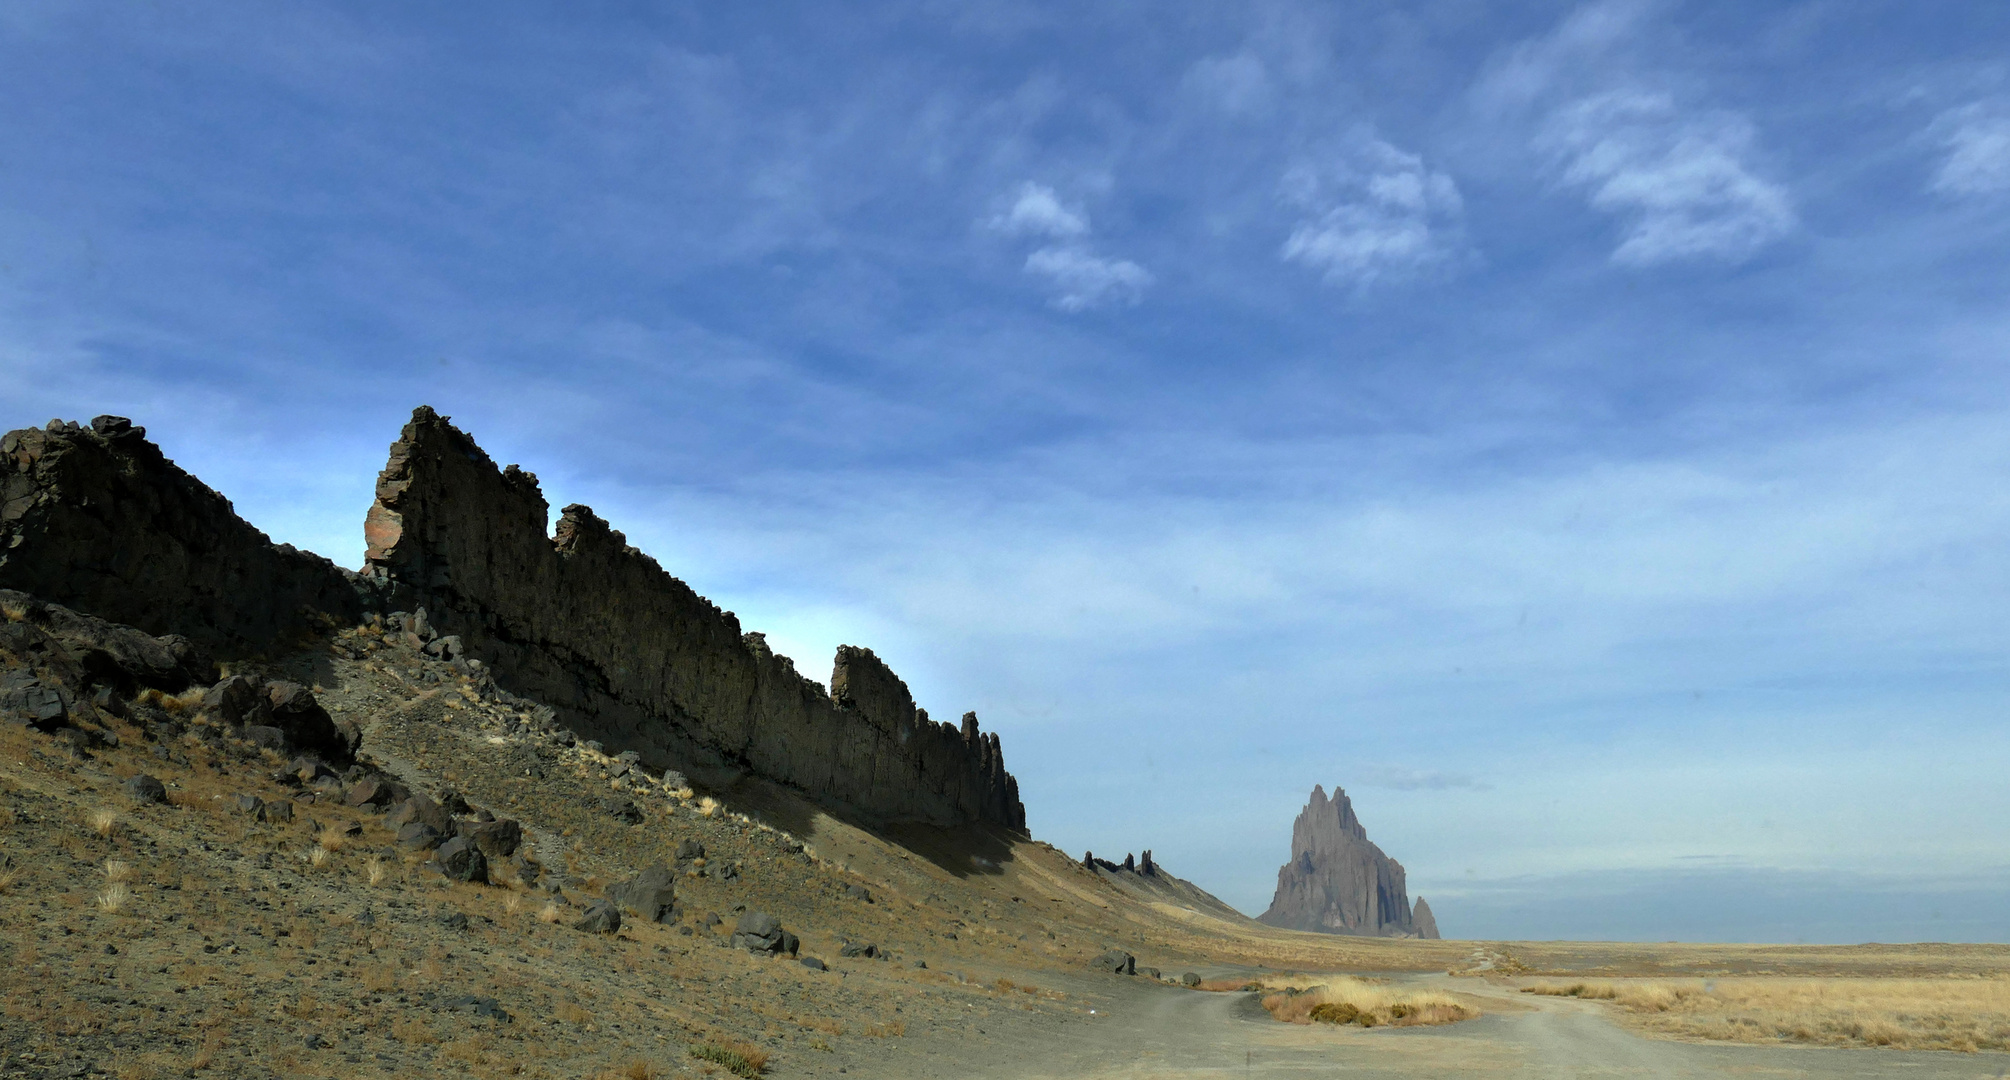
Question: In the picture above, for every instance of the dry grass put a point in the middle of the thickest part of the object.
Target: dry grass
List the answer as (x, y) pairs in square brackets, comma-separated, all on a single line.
[(104, 821), (740, 1059), (550, 914), (318, 856), (115, 897), (891, 1030), (635, 1070), (1966, 1014), (1342, 1000), (10, 875), (512, 903), (117, 870), (331, 838), (375, 870)]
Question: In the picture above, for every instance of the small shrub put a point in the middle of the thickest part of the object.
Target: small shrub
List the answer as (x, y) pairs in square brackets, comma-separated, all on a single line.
[(317, 857), (104, 821), (118, 870), (375, 869), (115, 897), (740, 1059), (550, 914)]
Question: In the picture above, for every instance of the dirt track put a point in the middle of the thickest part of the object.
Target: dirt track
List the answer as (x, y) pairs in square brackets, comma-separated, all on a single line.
[(1146, 1032)]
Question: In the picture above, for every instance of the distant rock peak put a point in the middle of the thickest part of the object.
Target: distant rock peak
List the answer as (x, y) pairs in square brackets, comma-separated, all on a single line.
[(1339, 882)]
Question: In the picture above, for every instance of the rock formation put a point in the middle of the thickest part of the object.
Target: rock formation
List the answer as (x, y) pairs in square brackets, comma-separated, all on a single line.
[(589, 625), (98, 519), (1337, 882), (1424, 921)]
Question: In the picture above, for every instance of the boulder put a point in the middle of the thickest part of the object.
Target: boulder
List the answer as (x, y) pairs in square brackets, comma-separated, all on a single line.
[(265, 738), (858, 892), (758, 932), (1149, 972), (622, 810), (369, 791), (812, 963), (1189, 979), (601, 918), (498, 839), (276, 812), (238, 699), (1115, 961), (690, 849), (40, 706), (852, 949), (418, 836), (487, 1007), (307, 724), (652, 894), (461, 860), (145, 789), (419, 808)]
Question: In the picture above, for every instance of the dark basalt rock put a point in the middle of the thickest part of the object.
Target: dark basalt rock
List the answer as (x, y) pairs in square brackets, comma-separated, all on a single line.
[(652, 894), (1116, 962)]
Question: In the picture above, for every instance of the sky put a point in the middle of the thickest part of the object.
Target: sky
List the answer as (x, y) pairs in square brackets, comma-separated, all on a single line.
[(1578, 430)]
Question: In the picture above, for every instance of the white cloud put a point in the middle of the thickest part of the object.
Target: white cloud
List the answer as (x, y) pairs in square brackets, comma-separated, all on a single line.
[(1236, 85), (1038, 212), (1681, 181), (1977, 140), (1373, 214), (1399, 778), (1081, 278), (1086, 280)]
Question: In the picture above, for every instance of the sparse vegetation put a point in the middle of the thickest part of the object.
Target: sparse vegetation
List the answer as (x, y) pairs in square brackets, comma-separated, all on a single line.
[(104, 821), (115, 897), (117, 870), (1343, 1000), (739, 1058), (374, 870), (1965, 1014), (550, 913)]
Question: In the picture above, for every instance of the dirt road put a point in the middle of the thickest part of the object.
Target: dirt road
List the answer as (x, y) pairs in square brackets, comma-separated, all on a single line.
[(1147, 1032)]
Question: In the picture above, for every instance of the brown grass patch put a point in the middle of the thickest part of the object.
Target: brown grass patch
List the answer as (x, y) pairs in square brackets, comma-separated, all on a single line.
[(104, 821), (1344, 1000), (892, 1029), (1966, 1014), (115, 898)]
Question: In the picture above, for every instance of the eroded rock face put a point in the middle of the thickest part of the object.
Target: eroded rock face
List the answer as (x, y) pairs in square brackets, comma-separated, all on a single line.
[(584, 622), (1338, 882), (99, 520)]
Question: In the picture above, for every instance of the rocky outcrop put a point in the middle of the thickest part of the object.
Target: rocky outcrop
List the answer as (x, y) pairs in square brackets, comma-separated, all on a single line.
[(99, 520), (595, 628), (1337, 882), (1425, 922), (1149, 882)]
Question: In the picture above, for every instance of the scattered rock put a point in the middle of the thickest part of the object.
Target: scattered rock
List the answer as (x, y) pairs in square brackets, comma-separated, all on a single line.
[(478, 1006), (690, 849), (758, 932), (858, 892), (601, 918), (1115, 961), (498, 839), (1189, 979), (852, 949), (812, 963), (250, 804), (265, 738), (455, 921), (277, 812), (145, 789), (1149, 972), (418, 836), (622, 810), (44, 708), (460, 859), (652, 894)]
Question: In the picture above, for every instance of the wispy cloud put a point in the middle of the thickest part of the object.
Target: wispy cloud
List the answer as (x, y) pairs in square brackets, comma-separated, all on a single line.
[(1683, 178), (1373, 213), (1976, 139), (1085, 280), (1405, 779), (1680, 180), (1079, 277)]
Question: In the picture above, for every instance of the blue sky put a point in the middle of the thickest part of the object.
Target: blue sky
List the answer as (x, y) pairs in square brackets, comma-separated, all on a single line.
[(1578, 430)]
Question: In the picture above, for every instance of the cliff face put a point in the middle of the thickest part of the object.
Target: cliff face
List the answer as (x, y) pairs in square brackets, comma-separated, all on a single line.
[(1337, 882), (588, 624), (99, 520)]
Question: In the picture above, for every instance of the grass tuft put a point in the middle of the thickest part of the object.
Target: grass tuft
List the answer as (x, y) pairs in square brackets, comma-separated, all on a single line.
[(1962, 1014), (118, 870), (375, 869), (740, 1059), (115, 897), (1366, 1004), (104, 821), (550, 914)]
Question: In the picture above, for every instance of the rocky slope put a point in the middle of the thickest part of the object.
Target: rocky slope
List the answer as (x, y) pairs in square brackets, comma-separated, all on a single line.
[(1338, 882)]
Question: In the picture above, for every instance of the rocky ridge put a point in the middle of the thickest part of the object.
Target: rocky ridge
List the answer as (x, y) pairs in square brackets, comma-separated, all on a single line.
[(97, 519), (1339, 882)]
